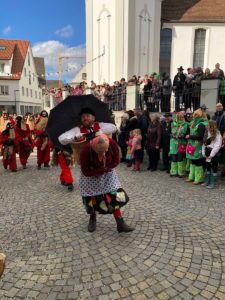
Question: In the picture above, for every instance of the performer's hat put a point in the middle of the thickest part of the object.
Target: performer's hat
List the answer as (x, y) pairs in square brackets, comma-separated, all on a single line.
[(87, 110)]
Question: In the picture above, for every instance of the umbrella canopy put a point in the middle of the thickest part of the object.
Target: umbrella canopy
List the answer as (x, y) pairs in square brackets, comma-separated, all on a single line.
[(65, 115)]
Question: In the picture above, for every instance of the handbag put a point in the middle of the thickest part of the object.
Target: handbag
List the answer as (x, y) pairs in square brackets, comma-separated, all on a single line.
[(181, 149), (191, 149), (208, 151)]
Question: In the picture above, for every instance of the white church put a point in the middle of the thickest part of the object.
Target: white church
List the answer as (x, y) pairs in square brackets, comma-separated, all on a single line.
[(128, 37)]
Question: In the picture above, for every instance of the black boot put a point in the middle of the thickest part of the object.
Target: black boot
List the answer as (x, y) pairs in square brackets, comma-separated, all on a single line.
[(24, 166), (70, 187), (122, 226), (39, 166), (92, 223)]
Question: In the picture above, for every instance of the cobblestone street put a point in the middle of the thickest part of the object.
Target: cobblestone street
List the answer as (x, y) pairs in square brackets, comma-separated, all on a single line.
[(177, 250)]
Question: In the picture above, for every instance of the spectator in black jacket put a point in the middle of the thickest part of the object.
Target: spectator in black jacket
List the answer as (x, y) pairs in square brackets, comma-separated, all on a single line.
[(219, 118), (166, 132), (178, 87)]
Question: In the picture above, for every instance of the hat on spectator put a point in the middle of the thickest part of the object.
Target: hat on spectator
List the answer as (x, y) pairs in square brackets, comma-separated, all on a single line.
[(203, 106), (180, 69), (167, 114)]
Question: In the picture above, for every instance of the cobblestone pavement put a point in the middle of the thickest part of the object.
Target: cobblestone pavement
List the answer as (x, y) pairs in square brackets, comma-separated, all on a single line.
[(177, 250)]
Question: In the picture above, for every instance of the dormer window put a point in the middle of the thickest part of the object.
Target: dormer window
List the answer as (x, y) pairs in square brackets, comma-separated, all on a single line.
[(2, 48)]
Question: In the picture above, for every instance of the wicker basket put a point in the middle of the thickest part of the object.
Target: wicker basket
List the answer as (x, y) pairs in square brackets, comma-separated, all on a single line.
[(77, 147), (2, 263)]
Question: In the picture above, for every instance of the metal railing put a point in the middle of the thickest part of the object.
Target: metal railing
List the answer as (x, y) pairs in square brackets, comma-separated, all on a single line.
[(156, 101)]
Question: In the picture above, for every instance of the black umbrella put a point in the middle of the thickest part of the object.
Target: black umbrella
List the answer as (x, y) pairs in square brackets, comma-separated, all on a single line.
[(65, 115)]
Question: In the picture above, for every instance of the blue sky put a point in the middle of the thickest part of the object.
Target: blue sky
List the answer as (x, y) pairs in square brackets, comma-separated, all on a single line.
[(53, 27)]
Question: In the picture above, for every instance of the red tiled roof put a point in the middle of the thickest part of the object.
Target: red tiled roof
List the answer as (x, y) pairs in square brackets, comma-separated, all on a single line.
[(201, 11), (19, 51)]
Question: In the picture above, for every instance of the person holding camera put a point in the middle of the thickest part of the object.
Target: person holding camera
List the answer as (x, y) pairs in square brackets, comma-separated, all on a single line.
[(210, 149)]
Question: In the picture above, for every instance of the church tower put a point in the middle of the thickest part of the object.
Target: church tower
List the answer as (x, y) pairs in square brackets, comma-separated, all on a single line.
[(123, 38)]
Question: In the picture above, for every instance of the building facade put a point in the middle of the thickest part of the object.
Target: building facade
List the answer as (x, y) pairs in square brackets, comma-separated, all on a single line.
[(122, 38), (20, 91), (193, 34)]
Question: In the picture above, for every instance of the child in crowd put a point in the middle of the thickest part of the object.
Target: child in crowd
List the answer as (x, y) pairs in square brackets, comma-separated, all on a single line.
[(211, 146), (136, 149), (129, 146)]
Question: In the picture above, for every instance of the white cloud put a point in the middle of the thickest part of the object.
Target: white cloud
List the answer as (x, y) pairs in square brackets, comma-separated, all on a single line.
[(7, 30), (65, 32), (52, 50)]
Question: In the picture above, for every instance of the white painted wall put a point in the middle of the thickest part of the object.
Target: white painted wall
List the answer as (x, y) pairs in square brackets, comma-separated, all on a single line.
[(183, 45), (16, 87), (33, 99), (128, 31)]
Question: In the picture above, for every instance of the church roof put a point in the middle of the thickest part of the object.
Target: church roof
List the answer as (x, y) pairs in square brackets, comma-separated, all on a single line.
[(189, 11)]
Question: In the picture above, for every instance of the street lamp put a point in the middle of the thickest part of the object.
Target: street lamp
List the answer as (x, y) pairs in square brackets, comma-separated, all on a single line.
[(15, 100)]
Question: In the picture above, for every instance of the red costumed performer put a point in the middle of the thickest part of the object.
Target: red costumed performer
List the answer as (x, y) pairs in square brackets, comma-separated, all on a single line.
[(42, 141), (99, 184), (64, 160), (9, 142), (100, 188), (25, 141)]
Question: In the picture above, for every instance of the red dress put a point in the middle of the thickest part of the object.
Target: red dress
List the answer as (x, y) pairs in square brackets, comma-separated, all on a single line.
[(43, 147), (25, 143), (9, 149)]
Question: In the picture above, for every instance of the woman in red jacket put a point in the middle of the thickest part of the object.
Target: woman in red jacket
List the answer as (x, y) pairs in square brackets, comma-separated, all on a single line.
[(99, 184)]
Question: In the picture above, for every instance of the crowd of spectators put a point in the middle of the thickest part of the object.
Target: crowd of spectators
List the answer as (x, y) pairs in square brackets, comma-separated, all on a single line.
[(155, 90)]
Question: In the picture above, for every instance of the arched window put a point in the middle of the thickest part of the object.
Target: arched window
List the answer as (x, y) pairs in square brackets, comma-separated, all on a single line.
[(199, 48), (165, 50)]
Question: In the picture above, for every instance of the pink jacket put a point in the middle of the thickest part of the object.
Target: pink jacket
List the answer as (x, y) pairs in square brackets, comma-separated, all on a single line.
[(136, 143)]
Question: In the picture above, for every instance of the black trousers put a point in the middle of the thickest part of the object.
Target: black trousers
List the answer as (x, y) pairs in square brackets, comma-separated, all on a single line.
[(123, 153), (165, 103), (195, 103), (177, 157), (165, 157), (198, 162), (213, 165), (153, 156)]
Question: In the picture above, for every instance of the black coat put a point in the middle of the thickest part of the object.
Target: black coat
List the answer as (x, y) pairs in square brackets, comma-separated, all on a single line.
[(166, 132), (219, 118), (123, 136)]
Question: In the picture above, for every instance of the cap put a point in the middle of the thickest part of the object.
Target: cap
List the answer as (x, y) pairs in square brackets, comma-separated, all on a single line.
[(203, 106)]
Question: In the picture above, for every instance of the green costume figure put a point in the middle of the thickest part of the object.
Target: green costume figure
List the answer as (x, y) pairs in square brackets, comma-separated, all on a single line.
[(188, 118), (194, 147), (178, 145)]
